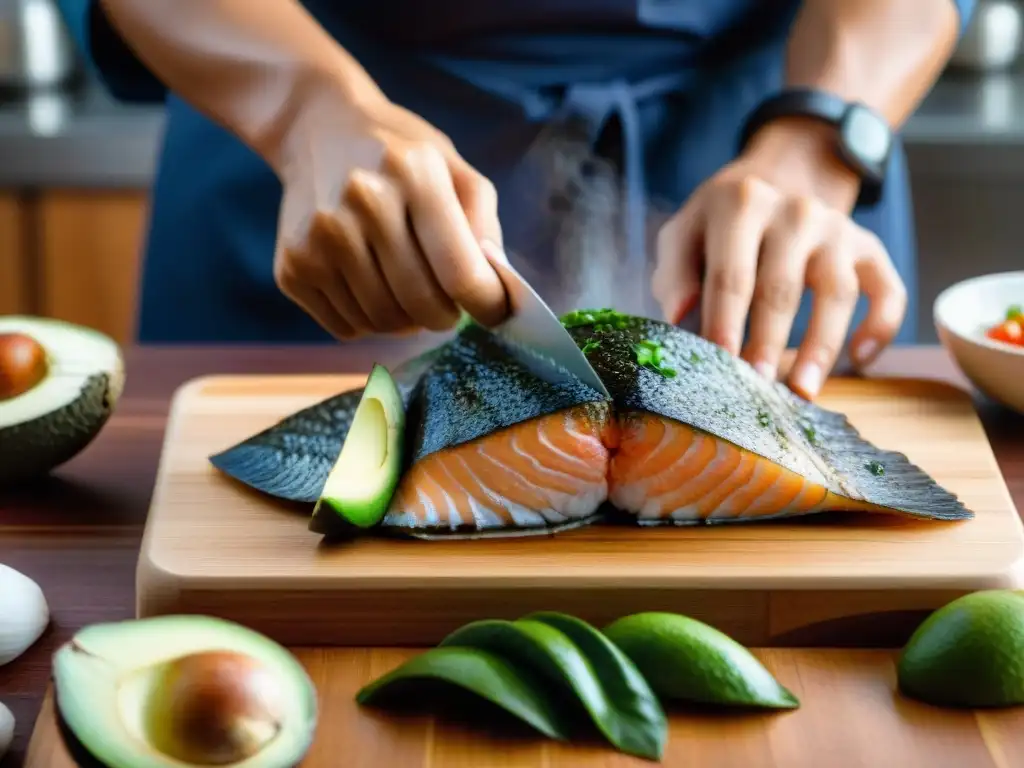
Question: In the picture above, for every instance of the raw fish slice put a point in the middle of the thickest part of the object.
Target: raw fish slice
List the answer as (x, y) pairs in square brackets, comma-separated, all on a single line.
[(540, 475), (695, 436), (717, 482)]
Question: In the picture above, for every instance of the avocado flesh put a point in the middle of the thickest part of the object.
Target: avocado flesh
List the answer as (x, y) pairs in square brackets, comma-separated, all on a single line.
[(102, 679), (54, 420), (360, 486)]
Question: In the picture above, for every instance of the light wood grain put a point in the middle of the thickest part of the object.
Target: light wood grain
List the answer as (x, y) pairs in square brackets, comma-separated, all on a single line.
[(90, 246), (15, 283), (212, 546), (851, 717)]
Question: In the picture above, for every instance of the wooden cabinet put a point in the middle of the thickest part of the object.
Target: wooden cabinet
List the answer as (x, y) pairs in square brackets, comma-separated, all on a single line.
[(89, 251), (15, 282), (73, 255)]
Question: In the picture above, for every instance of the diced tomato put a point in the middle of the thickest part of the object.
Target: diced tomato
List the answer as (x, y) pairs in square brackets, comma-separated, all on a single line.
[(1009, 332)]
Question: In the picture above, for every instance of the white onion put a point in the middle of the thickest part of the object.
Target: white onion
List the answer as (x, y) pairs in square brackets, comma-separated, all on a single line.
[(6, 730), (24, 614)]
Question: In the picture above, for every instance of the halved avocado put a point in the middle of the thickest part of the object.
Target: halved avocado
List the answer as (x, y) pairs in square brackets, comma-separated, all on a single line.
[(182, 691), (59, 383), (360, 486)]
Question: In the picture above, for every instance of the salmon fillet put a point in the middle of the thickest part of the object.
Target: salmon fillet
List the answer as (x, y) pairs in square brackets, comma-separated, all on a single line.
[(557, 471), (665, 471), (549, 472)]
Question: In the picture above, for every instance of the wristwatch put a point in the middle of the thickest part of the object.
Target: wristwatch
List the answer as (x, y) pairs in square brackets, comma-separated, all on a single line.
[(863, 137)]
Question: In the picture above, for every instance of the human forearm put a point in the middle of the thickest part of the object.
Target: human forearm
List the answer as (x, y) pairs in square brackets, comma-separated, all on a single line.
[(884, 53), (249, 66)]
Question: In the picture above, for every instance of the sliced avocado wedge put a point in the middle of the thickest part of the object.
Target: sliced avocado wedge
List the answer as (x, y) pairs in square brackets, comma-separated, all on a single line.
[(181, 691), (59, 383), (360, 486)]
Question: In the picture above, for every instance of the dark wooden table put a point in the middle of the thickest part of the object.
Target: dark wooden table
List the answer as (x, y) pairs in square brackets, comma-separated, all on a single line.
[(77, 534)]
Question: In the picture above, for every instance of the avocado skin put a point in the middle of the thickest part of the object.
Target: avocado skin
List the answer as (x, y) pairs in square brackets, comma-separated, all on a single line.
[(83, 758), (34, 448), (328, 522)]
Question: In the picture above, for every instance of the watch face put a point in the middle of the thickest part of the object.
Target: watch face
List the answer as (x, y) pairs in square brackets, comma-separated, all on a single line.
[(866, 136)]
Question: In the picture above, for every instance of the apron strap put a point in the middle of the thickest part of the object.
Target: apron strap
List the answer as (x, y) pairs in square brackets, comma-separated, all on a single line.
[(593, 104)]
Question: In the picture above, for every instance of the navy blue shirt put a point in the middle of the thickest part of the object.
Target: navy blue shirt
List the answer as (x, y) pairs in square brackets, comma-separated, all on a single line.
[(677, 77)]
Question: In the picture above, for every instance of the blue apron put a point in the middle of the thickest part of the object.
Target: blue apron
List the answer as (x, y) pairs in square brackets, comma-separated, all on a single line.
[(648, 101)]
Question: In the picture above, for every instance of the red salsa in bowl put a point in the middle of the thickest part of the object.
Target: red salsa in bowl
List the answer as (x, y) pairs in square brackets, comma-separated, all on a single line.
[(1011, 329)]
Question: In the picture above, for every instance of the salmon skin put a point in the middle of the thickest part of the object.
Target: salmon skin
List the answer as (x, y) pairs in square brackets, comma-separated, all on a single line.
[(460, 391), (292, 459), (691, 435)]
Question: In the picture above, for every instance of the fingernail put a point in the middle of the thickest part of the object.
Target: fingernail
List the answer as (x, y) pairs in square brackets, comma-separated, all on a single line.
[(494, 251), (865, 351), (807, 379), (767, 370)]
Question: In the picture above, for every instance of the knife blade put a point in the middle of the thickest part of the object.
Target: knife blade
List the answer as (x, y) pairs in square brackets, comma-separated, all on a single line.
[(536, 335)]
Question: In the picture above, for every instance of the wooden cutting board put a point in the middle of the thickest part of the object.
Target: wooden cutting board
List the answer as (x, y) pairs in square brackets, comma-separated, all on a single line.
[(850, 717), (213, 546)]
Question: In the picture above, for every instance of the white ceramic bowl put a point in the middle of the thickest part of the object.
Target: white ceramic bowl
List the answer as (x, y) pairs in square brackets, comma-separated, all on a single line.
[(962, 314)]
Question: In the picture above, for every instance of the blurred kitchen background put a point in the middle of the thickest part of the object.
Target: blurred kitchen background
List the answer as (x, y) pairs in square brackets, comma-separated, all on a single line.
[(75, 168)]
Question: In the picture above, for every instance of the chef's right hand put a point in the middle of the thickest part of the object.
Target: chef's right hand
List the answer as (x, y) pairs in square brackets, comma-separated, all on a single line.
[(383, 225)]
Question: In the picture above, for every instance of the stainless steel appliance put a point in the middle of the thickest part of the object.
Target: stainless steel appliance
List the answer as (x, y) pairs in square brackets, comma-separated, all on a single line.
[(992, 41), (36, 49)]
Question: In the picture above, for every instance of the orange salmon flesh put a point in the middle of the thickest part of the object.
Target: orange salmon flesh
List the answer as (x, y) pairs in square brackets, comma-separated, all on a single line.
[(560, 468)]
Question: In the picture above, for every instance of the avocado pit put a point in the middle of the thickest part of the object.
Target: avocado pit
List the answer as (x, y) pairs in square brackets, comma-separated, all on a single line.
[(23, 364), (214, 708)]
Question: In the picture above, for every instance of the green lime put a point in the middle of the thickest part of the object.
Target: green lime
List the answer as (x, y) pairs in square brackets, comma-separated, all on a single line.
[(969, 653), (687, 660)]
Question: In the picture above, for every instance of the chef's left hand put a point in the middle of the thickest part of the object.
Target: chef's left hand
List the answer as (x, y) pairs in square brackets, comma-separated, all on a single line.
[(768, 225)]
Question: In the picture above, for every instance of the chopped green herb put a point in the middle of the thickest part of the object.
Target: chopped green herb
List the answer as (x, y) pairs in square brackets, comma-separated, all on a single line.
[(1015, 312), (764, 418), (605, 319), (590, 346), (875, 468), (810, 433), (695, 358), (651, 355)]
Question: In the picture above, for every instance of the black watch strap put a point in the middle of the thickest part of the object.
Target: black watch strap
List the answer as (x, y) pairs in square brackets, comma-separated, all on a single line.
[(863, 138)]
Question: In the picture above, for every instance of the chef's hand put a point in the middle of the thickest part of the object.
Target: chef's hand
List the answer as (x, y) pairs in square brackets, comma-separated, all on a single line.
[(381, 222), (766, 226)]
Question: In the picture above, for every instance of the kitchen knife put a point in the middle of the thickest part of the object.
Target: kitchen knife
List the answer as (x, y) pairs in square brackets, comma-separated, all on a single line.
[(537, 337)]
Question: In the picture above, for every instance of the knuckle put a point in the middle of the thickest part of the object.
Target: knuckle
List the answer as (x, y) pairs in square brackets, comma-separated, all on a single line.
[(748, 191), (873, 245), (803, 211), (364, 189), (732, 282), (285, 276), (841, 286), (667, 239), (407, 159), (486, 191), (824, 351), (463, 283), (778, 294)]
